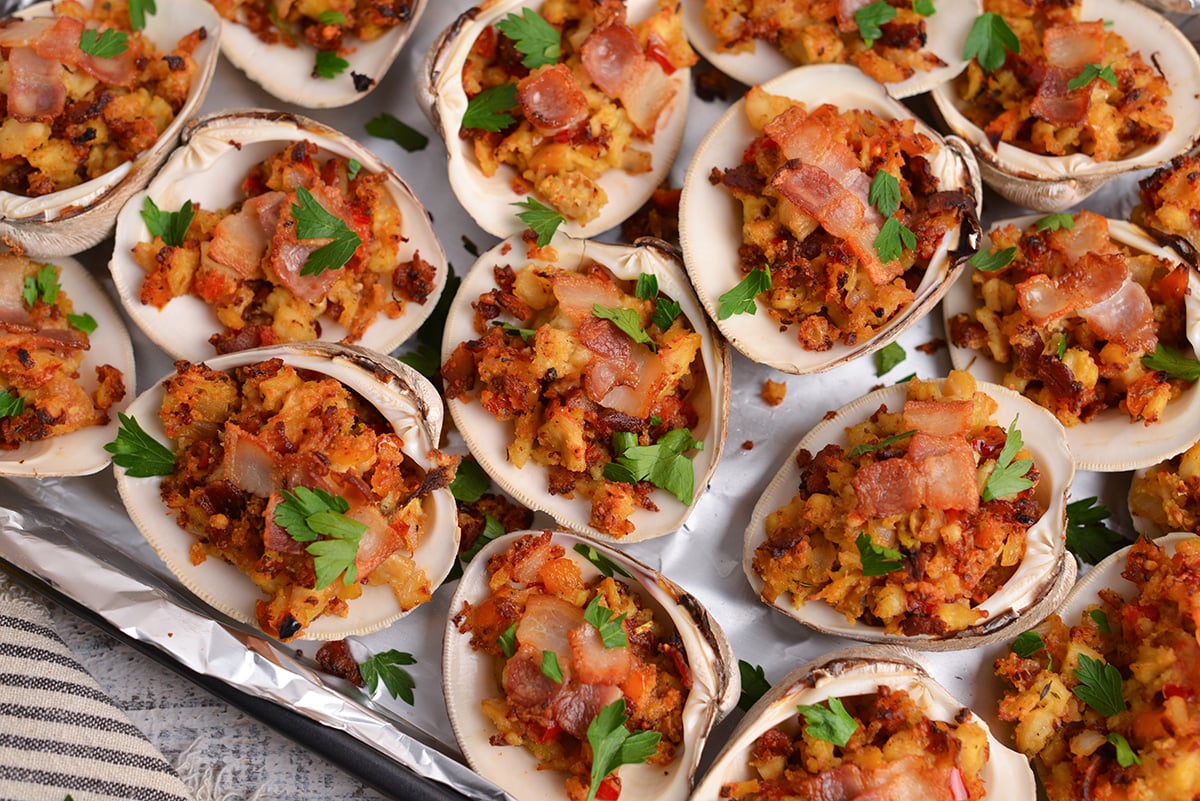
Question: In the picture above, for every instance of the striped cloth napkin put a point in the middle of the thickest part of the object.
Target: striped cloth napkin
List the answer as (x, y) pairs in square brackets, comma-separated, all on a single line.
[(60, 734)]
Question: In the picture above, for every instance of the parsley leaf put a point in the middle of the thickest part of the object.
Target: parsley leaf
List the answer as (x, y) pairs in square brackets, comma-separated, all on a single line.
[(1101, 621), (470, 482), (109, 44), (353, 168), (884, 193), (536, 39), (541, 219), (832, 724), (924, 7), (1099, 686), (1091, 72), (11, 405), (647, 286), (170, 226), (612, 630), (386, 665), (665, 312), (740, 299), (662, 464), (1008, 477), (314, 222), (628, 321), (307, 514), (870, 17), (868, 447), (754, 684), (605, 565), (508, 641), (1054, 222), (1029, 643), (491, 529), (990, 36), (1126, 756), (888, 357), (876, 559), (614, 746), (525, 334), (1061, 348), (893, 239), (1087, 536), (550, 668), (329, 64), (331, 17), (82, 322), (139, 453), (488, 110), (988, 262), (1172, 362), (386, 126), (43, 284), (138, 9)]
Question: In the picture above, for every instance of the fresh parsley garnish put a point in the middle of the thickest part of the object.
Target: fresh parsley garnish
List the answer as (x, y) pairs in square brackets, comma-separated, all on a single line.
[(888, 357), (540, 218), (832, 724), (1099, 686), (988, 40), (884, 193), (139, 453), (754, 684), (1055, 222), (646, 287), (307, 514), (613, 745), (605, 565), (741, 299), (662, 464), (1126, 756), (1029, 643), (1172, 362), (1101, 621), (536, 39), (328, 64), (924, 7), (1091, 72), (869, 18), (138, 9), (628, 321), (82, 322), (525, 334), (11, 405), (386, 665), (492, 528), (170, 226), (470, 482), (612, 629), (489, 109), (665, 312), (508, 641), (1061, 348), (109, 44), (1008, 477), (906, 378), (314, 222), (354, 166), (550, 668), (1087, 536), (42, 284), (876, 559), (987, 262), (386, 126), (894, 238), (331, 17), (868, 447)]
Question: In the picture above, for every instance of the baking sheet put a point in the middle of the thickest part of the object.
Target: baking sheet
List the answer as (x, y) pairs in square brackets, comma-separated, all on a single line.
[(74, 534)]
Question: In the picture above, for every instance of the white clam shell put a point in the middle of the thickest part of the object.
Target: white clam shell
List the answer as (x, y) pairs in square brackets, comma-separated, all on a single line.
[(1054, 183), (710, 221), (488, 439), (400, 394), (209, 168), (1032, 592), (945, 32), (75, 219), (1092, 442), (860, 671), (489, 200), (468, 679), (286, 72), (81, 452)]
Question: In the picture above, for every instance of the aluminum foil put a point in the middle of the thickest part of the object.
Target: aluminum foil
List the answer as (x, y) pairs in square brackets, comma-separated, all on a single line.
[(74, 532)]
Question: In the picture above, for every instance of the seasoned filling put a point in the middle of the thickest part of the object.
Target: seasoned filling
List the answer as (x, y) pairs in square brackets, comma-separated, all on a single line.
[(1168, 494), (323, 24), (823, 32), (245, 437), (579, 391), (70, 116), (1171, 201), (592, 111), (898, 527), (807, 214), (896, 753), (249, 263), (1072, 316), (42, 341), (539, 604), (1040, 99), (1106, 709)]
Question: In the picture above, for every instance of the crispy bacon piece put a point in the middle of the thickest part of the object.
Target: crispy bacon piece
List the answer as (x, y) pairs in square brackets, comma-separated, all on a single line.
[(576, 293), (845, 14), (61, 43), (595, 664), (14, 315), (937, 472), (1068, 49), (1086, 282), (551, 99), (1058, 105), (289, 255), (1125, 317), (944, 418), (545, 626), (614, 60), (249, 463), (36, 90), (240, 240)]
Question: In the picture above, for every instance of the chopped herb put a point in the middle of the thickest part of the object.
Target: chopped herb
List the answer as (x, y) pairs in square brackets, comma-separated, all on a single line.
[(525, 334), (888, 357), (612, 630), (329, 65), (386, 665), (109, 44), (314, 222), (655, 420), (11, 405), (508, 641), (662, 464), (665, 312), (1062, 346), (754, 684), (354, 166), (832, 724), (138, 9), (1099, 686), (1172, 362), (613, 745), (536, 39), (170, 226), (884, 193), (386, 126), (628, 321), (541, 219), (906, 378), (924, 7), (1091, 72), (1008, 477), (1055, 222), (988, 262), (82, 322), (307, 514), (331, 17), (280, 25), (647, 286), (893, 239), (988, 40), (550, 668), (1029, 643), (470, 482), (1126, 756), (868, 447), (43, 284), (488, 110), (492, 529), (741, 299), (139, 453), (605, 565), (1087, 536), (1101, 621), (876, 559), (470, 247), (869, 18)]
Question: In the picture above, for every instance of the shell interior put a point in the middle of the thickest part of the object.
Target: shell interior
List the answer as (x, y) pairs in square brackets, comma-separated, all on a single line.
[(81, 452), (74, 219), (401, 395), (710, 221), (945, 34), (468, 679), (209, 170), (1032, 592), (1092, 442), (489, 200), (488, 439)]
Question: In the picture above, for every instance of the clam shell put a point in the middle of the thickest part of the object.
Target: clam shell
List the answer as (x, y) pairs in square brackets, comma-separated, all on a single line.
[(945, 33), (75, 219), (859, 671), (286, 72), (489, 200), (217, 152), (1054, 183), (488, 439), (1107, 575), (1091, 443), (81, 452), (468, 679), (1033, 591), (710, 221), (401, 395), (1145, 525)]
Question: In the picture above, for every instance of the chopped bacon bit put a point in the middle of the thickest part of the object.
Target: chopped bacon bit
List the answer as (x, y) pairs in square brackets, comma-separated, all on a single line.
[(551, 99), (613, 59)]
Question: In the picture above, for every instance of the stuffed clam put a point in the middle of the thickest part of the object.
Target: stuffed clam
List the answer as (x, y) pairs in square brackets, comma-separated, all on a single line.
[(588, 126), (556, 642), (570, 369), (806, 249), (1116, 94), (295, 488), (898, 734), (1170, 201), (1165, 497), (1091, 319), (930, 513), (245, 272), (84, 130)]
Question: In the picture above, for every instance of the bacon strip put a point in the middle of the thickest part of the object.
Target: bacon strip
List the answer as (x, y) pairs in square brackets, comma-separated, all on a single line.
[(36, 90), (942, 418), (1125, 317), (61, 43), (614, 60), (240, 240), (1068, 49), (551, 99), (937, 472)]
